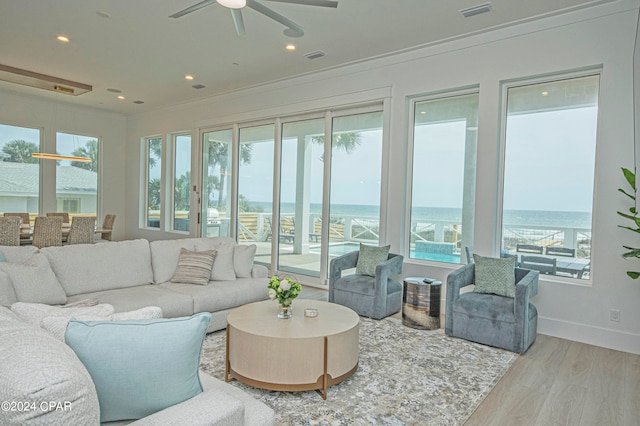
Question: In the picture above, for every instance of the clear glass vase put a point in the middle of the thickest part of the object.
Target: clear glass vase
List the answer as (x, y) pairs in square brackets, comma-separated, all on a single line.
[(285, 311)]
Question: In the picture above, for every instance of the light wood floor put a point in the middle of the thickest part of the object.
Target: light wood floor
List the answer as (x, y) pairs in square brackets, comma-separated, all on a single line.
[(559, 382)]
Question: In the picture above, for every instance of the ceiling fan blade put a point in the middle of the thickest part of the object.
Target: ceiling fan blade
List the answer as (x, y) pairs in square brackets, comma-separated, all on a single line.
[(238, 22), (275, 16), (321, 3), (193, 8)]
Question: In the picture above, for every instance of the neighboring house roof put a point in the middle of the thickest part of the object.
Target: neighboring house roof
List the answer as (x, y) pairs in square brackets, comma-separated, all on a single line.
[(21, 179)]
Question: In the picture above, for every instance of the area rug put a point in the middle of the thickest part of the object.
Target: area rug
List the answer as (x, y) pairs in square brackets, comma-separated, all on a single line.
[(405, 376)]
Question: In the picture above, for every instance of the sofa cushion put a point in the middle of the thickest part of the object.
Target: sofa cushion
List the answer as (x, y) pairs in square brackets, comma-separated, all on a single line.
[(34, 281), (164, 257), (212, 408), (194, 267), (85, 268), (243, 256), (173, 304), (140, 367), (220, 295), (35, 368), (255, 412)]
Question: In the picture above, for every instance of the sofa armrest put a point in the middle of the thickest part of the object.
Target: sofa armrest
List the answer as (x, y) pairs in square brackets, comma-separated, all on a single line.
[(259, 271), (212, 407), (456, 280), (339, 264)]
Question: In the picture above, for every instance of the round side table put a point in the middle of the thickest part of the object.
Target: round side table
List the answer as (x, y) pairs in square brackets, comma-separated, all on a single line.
[(421, 303)]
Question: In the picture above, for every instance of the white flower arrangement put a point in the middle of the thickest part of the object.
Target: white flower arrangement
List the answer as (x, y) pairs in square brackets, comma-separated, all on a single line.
[(285, 290)]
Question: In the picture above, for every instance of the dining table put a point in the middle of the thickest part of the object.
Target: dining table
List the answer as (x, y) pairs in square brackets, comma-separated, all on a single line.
[(26, 232)]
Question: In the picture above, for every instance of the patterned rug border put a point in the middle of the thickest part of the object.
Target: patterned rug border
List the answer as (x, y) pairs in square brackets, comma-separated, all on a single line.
[(462, 374)]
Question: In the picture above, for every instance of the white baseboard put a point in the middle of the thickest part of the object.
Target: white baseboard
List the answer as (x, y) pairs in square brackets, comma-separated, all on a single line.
[(598, 336)]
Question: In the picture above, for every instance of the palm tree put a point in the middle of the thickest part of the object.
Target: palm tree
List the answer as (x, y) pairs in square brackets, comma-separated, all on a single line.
[(90, 150), (218, 155), (347, 141), (181, 192), (19, 151)]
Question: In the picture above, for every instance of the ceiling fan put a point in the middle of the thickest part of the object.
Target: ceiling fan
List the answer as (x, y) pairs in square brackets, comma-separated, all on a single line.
[(235, 6)]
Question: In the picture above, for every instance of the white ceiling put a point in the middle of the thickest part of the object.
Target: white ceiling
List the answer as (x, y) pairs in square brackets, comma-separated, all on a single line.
[(146, 54)]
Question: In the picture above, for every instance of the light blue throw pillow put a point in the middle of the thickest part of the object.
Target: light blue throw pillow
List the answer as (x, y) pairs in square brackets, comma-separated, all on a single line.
[(495, 275), (370, 257), (140, 367)]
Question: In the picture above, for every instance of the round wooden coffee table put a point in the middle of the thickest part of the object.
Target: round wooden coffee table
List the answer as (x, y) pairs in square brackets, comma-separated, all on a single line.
[(295, 354)]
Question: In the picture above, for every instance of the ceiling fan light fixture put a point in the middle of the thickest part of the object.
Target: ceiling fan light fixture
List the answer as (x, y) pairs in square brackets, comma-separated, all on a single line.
[(233, 4)]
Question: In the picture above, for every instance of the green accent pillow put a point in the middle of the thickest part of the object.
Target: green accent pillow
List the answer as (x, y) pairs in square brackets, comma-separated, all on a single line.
[(495, 275), (370, 257), (140, 367)]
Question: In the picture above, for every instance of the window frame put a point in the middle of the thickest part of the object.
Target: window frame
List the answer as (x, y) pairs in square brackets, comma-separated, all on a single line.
[(171, 188), (534, 80), (411, 107), (144, 183)]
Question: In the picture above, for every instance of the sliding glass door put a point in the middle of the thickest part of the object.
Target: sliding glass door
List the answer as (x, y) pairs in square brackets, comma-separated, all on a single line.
[(301, 184), (216, 185)]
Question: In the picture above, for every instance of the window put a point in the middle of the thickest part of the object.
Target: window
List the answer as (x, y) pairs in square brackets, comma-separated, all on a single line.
[(550, 142), (443, 178), (153, 147), (77, 182), (181, 182), (20, 171)]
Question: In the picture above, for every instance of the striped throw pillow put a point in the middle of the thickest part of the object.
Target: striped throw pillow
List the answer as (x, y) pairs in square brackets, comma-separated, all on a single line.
[(194, 267)]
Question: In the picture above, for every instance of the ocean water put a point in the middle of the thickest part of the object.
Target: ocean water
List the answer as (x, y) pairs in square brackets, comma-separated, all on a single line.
[(511, 217)]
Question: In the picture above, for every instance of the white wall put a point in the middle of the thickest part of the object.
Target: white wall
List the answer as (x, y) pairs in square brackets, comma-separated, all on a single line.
[(61, 116), (601, 36)]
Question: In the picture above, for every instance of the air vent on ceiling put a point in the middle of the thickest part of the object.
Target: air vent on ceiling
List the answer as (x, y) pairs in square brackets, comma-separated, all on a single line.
[(476, 10), (315, 55), (42, 81), (198, 86), (138, 102)]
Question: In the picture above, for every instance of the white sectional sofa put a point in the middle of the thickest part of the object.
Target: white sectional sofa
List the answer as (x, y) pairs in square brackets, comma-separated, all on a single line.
[(35, 366)]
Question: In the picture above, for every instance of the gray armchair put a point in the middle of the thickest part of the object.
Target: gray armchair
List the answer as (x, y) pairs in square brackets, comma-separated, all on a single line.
[(373, 297), (490, 319)]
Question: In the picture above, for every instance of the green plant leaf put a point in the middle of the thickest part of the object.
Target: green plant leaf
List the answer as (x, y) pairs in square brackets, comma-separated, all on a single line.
[(633, 275), (630, 177), (627, 194), (637, 230)]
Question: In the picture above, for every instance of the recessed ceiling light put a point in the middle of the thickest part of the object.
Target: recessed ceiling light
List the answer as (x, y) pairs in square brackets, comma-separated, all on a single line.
[(423, 112), (544, 93), (290, 46), (63, 39), (188, 77), (121, 97)]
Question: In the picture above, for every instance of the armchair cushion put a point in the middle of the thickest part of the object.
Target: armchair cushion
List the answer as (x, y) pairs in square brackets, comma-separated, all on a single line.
[(369, 258), (495, 275)]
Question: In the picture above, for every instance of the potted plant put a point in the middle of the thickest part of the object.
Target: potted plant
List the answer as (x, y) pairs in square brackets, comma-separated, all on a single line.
[(632, 216)]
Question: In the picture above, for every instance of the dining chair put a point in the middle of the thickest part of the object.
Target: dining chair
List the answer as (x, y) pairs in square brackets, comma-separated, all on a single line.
[(560, 251), (26, 220), (63, 215), (107, 227), (545, 265), (10, 231), (47, 231), (529, 248), (82, 230)]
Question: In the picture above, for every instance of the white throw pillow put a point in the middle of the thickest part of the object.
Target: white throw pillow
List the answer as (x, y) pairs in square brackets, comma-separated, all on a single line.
[(57, 325), (34, 281), (34, 313), (243, 257), (7, 293), (223, 263)]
